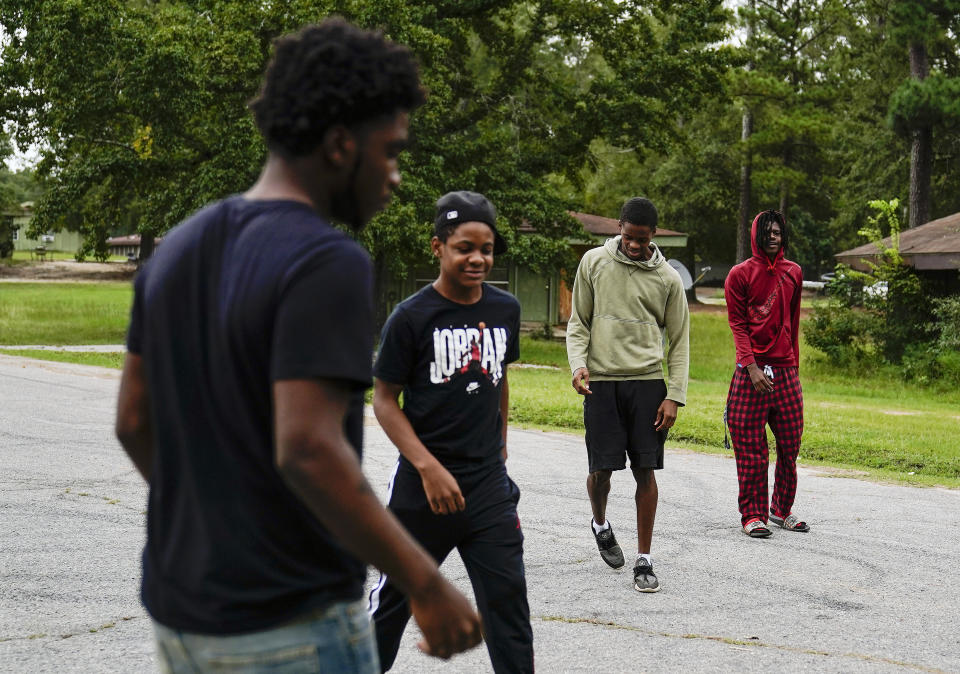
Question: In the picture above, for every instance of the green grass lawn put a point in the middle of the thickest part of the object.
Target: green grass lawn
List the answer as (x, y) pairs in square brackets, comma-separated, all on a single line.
[(64, 313), (870, 420), (26, 256), (110, 359)]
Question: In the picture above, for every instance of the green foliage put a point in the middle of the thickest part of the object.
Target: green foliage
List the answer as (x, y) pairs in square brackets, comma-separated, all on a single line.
[(17, 187), (139, 111), (946, 311), (938, 359), (881, 313), (840, 331), (137, 106), (923, 20), (931, 102), (140, 106)]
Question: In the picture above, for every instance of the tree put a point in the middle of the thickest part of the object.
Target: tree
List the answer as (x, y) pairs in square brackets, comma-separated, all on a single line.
[(792, 92), (520, 93), (929, 29), (746, 162), (136, 108), (139, 106)]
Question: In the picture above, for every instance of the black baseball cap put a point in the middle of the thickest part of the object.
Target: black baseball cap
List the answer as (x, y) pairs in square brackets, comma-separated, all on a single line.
[(464, 206)]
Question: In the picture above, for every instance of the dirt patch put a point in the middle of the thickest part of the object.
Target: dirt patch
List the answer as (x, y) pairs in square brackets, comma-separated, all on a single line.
[(67, 270), (709, 303)]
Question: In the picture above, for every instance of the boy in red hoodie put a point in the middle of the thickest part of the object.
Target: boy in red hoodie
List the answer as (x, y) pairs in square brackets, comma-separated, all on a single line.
[(763, 308)]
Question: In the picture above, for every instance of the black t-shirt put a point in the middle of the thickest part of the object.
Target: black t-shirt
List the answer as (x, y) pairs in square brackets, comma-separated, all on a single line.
[(240, 295), (451, 359)]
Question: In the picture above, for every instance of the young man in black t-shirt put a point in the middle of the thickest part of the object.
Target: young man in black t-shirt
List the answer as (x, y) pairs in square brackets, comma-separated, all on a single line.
[(446, 348), (241, 402)]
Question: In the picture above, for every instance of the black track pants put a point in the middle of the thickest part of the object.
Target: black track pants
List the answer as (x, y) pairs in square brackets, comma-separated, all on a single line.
[(488, 536)]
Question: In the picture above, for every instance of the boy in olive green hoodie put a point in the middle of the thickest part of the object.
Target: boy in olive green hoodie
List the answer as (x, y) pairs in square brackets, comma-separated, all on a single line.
[(625, 297)]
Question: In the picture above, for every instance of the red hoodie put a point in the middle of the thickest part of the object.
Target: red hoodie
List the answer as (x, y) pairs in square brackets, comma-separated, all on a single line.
[(763, 307)]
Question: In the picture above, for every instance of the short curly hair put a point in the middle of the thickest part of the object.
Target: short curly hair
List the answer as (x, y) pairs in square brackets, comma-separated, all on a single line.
[(327, 74), (639, 211)]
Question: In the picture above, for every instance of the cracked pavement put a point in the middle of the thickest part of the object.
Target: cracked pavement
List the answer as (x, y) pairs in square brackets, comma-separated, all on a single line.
[(872, 588)]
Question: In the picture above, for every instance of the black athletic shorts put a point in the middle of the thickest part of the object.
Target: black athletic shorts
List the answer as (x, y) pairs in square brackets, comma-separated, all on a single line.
[(619, 421)]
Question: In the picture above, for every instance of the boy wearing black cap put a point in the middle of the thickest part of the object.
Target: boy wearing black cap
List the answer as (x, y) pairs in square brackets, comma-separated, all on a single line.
[(446, 348)]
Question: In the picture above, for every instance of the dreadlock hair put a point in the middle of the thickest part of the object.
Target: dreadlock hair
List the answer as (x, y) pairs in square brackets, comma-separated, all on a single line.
[(328, 74), (764, 220), (639, 211)]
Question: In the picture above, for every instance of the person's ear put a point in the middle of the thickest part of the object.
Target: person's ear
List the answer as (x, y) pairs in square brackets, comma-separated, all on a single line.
[(435, 244), (339, 146)]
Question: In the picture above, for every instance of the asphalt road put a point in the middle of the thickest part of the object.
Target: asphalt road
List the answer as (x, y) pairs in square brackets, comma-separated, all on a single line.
[(875, 586)]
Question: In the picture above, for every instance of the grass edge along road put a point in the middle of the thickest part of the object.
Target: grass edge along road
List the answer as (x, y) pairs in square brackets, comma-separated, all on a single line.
[(872, 422)]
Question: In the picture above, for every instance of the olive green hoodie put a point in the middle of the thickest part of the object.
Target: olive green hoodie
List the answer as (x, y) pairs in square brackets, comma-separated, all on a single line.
[(621, 310)]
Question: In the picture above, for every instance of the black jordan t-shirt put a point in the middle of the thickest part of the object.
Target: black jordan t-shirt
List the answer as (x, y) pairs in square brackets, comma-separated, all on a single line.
[(451, 360)]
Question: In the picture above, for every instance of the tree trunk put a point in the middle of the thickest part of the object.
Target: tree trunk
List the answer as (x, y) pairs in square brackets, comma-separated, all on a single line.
[(147, 244), (921, 151), (380, 299), (744, 249), (784, 186)]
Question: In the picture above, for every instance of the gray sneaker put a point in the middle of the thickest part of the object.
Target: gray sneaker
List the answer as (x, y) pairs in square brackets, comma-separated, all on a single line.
[(610, 551), (644, 579)]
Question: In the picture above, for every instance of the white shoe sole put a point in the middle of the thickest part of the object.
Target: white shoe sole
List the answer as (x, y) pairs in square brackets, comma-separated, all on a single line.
[(647, 589)]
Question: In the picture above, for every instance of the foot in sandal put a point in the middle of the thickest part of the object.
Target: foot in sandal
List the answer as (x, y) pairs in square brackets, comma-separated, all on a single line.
[(791, 522), (755, 528)]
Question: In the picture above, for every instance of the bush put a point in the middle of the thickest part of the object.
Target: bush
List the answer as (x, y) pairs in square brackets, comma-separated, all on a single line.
[(841, 332), (925, 364), (883, 314), (947, 312)]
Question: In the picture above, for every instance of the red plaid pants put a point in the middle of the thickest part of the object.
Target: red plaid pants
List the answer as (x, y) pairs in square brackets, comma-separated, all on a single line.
[(748, 413)]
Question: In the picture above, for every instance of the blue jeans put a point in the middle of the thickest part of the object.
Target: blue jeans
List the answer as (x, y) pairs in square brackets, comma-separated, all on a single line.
[(337, 638)]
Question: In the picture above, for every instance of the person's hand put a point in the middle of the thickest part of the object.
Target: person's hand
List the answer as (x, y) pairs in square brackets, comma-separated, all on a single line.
[(666, 415), (449, 623), (761, 382), (581, 381), (443, 492), (503, 453)]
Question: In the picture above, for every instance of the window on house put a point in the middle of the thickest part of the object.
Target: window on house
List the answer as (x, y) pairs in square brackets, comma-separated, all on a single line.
[(498, 276)]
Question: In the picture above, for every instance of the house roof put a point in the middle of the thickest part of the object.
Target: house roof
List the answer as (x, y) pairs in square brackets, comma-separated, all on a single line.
[(597, 224), (935, 245), (128, 240), (25, 209), (601, 226)]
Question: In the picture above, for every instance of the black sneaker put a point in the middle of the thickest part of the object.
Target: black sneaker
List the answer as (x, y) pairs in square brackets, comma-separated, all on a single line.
[(610, 551), (644, 579)]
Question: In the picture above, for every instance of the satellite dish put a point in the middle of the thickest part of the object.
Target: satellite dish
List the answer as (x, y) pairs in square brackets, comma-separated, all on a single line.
[(684, 274)]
